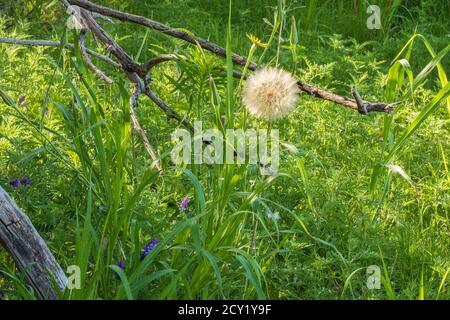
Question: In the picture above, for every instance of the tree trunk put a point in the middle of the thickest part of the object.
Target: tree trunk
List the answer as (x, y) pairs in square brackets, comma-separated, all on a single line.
[(29, 250)]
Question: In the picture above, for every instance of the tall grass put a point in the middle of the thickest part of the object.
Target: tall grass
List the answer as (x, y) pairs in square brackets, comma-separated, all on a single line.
[(400, 70), (307, 232)]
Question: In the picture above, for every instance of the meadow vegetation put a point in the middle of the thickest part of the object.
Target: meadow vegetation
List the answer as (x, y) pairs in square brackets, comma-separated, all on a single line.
[(352, 190)]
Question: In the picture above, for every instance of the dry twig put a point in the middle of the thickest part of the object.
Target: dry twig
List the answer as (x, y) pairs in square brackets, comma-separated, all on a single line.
[(134, 101), (88, 61), (49, 43)]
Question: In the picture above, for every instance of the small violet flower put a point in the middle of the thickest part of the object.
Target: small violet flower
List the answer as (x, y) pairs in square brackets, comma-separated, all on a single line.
[(15, 183), (184, 204), (25, 182), (121, 265), (149, 247)]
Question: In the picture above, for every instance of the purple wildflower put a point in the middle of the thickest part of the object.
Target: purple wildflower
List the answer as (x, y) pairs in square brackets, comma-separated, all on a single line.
[(184, 204), (121, 265), (25, 182), (149, 247), (15, 183)]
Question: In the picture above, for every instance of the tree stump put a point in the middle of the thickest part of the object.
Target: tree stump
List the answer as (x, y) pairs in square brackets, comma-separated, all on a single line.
[(29, 251)]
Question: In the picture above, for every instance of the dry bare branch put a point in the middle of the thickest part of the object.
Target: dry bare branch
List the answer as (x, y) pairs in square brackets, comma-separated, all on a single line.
[(160, 59), (168, 110), (129, 66), (49, 43), (177, 33), (342, 100), (29, 251), (180, 34), (127, 63), (134, 101), (88, 61)]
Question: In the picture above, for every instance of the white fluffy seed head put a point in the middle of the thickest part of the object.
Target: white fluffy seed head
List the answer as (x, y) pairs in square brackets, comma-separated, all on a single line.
[(270, 93)]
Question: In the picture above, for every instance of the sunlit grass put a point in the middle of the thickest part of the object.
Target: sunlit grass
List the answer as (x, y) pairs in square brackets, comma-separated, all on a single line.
[(96, 201)]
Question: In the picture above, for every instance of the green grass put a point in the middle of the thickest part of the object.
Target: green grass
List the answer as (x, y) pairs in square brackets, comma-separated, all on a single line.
[(95, 199)]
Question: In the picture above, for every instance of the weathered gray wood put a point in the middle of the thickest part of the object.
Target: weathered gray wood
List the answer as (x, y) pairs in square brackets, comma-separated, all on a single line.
[(29, 250)]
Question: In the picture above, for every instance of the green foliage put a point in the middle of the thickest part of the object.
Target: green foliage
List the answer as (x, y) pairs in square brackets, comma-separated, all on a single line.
[(337, 205)]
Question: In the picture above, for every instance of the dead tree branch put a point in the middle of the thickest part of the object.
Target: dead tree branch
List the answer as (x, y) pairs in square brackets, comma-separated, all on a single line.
[(88, 61), (134, 101), (183, 35), (177, 33), (342, 100), (48, 43), (126, 62), (29, 251), (160, 59), (171, 114), (133, 71), (129, 66)]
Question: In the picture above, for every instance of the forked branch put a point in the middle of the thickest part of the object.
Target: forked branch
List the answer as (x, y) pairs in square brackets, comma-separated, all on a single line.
[(88, 61), (212, 47), (129, 66), (49, 43)]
